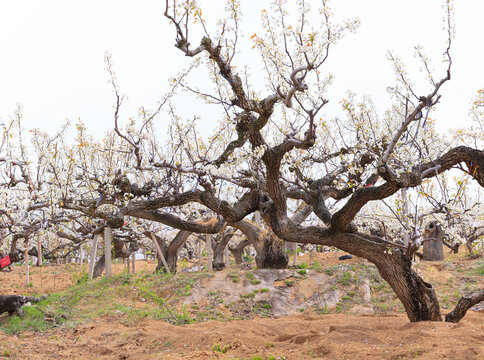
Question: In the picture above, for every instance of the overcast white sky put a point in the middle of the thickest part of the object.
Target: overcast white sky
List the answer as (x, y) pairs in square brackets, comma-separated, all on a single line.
[(52, 55)]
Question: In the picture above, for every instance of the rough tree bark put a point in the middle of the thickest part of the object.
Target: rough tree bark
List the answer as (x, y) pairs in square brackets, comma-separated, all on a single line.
[(464, 304), (219, 243), (269, 248), (272, 254), (238, 251), (433, 249), (170, 251), (417, 296)]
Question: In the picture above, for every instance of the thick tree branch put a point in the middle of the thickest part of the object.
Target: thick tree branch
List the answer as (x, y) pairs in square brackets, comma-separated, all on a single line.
[(212, 226), (410, 179), (464, 304)]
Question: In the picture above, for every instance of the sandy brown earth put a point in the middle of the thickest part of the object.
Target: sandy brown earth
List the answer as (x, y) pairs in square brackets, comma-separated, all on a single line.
[(306, 336), (296, 337)]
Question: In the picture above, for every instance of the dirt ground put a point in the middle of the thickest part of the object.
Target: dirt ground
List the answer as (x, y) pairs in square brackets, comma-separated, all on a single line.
[(296, 337), (53, 278), (305, 336)]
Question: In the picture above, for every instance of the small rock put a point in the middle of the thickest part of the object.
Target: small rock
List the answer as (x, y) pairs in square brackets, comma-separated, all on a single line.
[(449, 266), (362, 310)]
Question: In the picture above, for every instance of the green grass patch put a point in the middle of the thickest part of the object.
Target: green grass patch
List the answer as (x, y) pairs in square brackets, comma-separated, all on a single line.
[(316, 266), (347, 278), (383, 307), (250, 295), (234, 277), (252, 279), (262, 308), (111, 297), (32, 321), (478, 270), (221, 348), (5, 353), (323, 311)]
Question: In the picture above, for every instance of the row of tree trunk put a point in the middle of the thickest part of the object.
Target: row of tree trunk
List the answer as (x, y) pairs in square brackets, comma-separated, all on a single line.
[(271, 252)]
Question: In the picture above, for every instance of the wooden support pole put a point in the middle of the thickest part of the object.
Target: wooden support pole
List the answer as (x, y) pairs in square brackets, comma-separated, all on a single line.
[(227, 256), (134, 262), (209, 252), (406, 235), (107, 251), (81, 255), (92, 256), (39, 250), (160, 253), (27, 269), (199, 255)]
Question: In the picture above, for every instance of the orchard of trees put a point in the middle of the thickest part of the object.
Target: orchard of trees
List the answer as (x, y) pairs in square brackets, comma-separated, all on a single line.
[(276, 169)]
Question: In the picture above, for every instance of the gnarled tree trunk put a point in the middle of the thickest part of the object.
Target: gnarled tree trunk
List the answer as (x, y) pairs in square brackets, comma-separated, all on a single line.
[(170, 251), (99, 267), (218, 245), (469, 247), (454, 247), (269, 248), (14, 303), (238, 251), (271, 254), (417, 296), (433, 249)]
